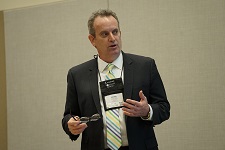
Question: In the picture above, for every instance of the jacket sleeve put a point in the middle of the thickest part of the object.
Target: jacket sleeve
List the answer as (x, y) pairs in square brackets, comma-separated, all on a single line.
[(158, 98), (71, 104)]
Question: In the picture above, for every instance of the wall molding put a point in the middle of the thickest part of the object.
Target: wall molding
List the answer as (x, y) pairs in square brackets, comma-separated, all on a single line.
[(3, 102)]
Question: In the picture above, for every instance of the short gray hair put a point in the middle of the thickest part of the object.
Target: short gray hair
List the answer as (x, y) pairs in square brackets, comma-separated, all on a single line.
[(101, 13)]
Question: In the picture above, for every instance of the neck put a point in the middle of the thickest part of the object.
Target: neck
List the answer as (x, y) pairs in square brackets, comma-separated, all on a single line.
[(109, 59)]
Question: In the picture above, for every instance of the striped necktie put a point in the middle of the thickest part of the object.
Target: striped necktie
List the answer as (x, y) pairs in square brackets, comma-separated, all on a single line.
[(112, 120)]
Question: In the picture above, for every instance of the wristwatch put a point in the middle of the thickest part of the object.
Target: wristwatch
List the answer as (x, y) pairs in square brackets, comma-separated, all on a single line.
[(146, 117)]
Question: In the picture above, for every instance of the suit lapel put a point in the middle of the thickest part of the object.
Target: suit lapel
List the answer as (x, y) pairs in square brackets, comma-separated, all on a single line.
[(128, 80), (128, 76), (93, 80)]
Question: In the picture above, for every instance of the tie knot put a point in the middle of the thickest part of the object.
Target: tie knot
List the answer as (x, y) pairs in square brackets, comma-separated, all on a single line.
[(109, 73), (109, 67)]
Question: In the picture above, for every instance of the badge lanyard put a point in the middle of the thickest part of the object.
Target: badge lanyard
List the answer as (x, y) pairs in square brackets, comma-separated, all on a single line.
[(112, 92)]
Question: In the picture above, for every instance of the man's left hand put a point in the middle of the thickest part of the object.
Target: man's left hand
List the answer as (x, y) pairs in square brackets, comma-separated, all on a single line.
[(134, 108)]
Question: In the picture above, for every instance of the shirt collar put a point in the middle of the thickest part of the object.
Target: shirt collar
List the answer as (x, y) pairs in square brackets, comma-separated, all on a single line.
[(118, 63)]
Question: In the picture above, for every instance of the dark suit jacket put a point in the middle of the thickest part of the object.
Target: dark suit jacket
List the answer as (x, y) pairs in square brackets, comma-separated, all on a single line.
[(140, 73)]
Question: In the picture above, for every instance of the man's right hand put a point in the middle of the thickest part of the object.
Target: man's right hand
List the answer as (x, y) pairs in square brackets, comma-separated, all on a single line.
[(75, 127)]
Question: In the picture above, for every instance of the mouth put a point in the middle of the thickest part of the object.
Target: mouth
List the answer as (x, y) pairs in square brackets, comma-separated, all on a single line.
[(113, 46)]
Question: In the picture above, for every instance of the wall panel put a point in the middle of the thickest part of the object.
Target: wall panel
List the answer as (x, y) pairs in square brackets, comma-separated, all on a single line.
[(3, 111), (186, 38), (13, 4), (42, 43)]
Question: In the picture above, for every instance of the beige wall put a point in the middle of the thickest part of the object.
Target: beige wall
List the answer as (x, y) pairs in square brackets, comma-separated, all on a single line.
[(186, 38), (12, 4), (3, 116)]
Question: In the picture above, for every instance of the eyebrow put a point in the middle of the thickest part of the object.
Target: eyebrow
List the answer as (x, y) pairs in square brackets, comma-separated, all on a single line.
[(104, 31)]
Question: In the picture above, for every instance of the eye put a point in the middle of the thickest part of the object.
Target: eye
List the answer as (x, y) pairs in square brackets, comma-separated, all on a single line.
[(104, 34), (115, 32)]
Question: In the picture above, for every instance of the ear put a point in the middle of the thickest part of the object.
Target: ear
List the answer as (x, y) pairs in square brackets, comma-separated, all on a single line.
[(91, 39)]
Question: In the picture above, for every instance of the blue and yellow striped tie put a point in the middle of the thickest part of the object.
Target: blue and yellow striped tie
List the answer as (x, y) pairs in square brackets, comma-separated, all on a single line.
[(112, 120)]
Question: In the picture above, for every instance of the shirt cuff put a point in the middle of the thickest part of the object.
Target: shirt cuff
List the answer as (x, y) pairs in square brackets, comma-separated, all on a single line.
[(150, 114)]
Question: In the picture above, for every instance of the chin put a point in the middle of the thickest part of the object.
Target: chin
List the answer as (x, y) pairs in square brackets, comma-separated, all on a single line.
[(116, 51)]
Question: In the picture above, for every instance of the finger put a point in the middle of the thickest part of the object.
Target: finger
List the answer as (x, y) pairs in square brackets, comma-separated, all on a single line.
[(127, 113), (76, 132), (132, 102), (131, 108), (128, 105), (83, 125), (130, 112), (78, 129), (126, 109), (141, 95), (72, 122)]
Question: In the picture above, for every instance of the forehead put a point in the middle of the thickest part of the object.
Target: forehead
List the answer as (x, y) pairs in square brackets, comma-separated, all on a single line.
[(105, 23)]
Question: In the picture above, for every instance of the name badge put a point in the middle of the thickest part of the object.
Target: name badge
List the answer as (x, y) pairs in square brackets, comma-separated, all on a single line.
[(112, 93)]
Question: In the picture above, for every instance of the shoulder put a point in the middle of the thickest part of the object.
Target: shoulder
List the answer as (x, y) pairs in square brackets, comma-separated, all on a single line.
[(137, 58), (84, 66)]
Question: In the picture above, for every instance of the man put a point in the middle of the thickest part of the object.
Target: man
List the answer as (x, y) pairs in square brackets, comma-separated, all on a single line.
[(144, 99)]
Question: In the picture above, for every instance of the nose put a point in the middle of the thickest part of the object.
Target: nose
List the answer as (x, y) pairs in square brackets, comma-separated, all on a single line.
[(111, 37)]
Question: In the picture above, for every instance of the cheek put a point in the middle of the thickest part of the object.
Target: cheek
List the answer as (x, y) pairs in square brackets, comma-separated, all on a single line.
[(119, 40), (120, 44), (101, 49), (102, 45)]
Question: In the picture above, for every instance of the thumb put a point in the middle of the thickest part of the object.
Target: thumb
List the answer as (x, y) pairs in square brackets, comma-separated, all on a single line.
[(141, 95)]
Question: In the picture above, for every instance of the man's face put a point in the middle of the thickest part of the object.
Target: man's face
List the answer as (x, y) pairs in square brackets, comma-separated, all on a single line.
[(107, 38)]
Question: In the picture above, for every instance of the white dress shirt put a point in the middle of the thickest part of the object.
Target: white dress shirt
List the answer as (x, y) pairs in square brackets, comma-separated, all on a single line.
[(118, 73)]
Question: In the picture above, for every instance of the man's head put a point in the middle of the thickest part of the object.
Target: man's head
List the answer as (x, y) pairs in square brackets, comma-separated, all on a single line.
[(105, 35), (101, 13)]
